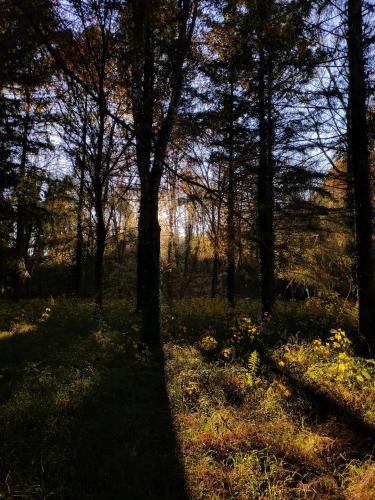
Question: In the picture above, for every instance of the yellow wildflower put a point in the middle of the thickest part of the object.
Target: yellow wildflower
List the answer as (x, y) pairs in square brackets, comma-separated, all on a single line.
[(208, 343), (227, 353), (343, 356)]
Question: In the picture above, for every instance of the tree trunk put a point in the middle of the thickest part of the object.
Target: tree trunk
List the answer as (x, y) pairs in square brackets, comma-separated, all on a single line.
[(100, 247), (360, 168), (231, 231), (150, 144), (79, 242), (21, 246), (170, 258), (215, 274), (265, 187), (172, 245), (187, 252), (99, 202), (149, 261), (81, 161)]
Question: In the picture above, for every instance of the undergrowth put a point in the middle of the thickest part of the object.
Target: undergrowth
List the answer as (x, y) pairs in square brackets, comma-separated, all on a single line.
[(87, 412)]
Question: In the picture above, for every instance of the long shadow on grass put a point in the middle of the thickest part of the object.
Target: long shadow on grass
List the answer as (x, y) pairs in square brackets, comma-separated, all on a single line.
[(116, 441), (324, 406), (126, 446), (43, 344)]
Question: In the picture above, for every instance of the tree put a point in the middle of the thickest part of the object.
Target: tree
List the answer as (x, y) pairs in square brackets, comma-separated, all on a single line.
[(265, 198), (159, 38), (26, 93), (97, 141), (279, 63), (359, 166)]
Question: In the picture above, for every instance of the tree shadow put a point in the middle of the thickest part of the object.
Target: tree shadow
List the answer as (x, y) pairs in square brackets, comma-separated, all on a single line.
[(324, 406), (115, 441), (126, 442)]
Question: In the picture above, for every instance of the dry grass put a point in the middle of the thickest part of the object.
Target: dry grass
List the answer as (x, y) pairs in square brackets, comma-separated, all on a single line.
[(252, 442), (85, 414), (361, 481)]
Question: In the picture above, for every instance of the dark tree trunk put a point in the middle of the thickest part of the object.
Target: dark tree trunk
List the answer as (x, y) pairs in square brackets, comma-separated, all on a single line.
[(100, 248), (265, 187), (350, 220), (143, 109), (151, 147), (80, 241), (21, 246), (145, 207), (149, 262), (81, 163), (19, 250), (168, 277), (188, 257), (215, 274), (360, 168), (172, 246), (99, 202), (231, 231)]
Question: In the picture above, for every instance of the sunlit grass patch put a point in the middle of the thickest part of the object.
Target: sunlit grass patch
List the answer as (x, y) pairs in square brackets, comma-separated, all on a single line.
[(258, 419), (360, 479), (192, 319), (242, 475), (18, 328), (77, 393), (223, 416), (333, 367)]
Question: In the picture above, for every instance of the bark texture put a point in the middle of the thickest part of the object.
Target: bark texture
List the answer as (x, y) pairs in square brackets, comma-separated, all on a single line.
[(360, 170), (265, 195)]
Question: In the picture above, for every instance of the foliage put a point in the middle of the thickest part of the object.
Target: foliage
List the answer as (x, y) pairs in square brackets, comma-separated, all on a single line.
[(252, 367), (243, 431), (333, 366)]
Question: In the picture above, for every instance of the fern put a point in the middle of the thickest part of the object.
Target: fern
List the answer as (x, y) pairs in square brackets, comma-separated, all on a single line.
[(253, 363)]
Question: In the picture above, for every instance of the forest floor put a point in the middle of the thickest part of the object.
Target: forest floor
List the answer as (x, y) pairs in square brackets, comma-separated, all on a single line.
[(239, 408)]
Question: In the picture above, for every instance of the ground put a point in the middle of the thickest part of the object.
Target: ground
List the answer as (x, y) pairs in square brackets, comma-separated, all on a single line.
[(238, 408)]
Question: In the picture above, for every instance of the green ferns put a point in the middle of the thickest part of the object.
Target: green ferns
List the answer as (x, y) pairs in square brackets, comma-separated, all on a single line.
[(253, 363)]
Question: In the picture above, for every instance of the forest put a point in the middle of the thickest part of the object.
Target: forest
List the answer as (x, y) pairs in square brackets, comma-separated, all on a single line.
[(187, 294)]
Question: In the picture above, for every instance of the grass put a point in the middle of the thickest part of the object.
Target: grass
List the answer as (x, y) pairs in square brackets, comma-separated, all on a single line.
[(86, 412)]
